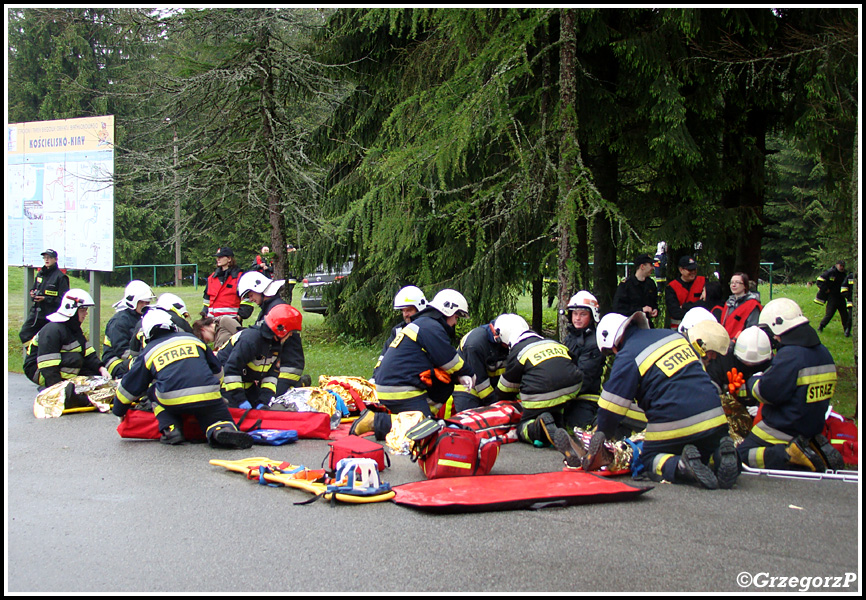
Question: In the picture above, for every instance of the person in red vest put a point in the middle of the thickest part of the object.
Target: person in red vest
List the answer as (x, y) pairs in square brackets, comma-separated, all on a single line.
[(742, 308), (684, 292), (221, 293)]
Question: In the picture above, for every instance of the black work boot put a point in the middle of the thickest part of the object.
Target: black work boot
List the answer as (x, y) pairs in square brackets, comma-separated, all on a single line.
[(73, 399), (172, 436), (691, 469), (831, 457), (548, 426), (232, 438), (728, 468)]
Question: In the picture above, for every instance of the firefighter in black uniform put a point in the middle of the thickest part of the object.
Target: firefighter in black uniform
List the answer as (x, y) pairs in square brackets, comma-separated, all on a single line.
[(186, 380), (795, 392), (256, 288), (410, 300), (251, 358), (848, 293), (415, 368), (120, 329), (830, 294), (177, 312), (583, 315), (686, 425), (60, 351), (483, 350), (542, 373), (50, 285)]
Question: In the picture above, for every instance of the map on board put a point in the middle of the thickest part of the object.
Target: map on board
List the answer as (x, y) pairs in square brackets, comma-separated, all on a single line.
[(60, 192)]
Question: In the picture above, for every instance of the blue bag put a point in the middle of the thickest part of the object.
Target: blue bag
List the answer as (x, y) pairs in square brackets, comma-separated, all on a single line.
[(273, 437)]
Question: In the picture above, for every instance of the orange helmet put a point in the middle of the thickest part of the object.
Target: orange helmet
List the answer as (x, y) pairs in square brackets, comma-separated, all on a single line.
[(283, 319)]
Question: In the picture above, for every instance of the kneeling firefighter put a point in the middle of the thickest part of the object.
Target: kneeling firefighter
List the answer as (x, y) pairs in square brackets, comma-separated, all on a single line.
[(186, 377)]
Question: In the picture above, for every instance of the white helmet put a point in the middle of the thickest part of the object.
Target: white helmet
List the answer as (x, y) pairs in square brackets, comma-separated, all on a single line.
[(135, 291), (172, 302), (253, 281), (410, 296), (709, 335), (694, 316), (509, 327), (612, 326), (586, 301), (753, 346), (265, 249), (154, 320), (781, 315), (450, 302), (72, 300)]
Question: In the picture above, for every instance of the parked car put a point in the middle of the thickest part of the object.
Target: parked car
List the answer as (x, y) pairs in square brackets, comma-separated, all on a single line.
[(314, 284)]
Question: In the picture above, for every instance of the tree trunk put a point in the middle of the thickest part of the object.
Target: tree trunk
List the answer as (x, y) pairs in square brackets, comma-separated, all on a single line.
[(569, 153)]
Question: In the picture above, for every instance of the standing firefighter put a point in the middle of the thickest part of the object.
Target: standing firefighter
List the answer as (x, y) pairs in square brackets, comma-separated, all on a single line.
[(831, 295), (186, 379), (47, 291)]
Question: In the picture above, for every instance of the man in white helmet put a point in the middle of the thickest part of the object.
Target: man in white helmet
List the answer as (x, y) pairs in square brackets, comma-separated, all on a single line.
[(542, 373), (183, 376), (121, 327), (174, 306), (420, 365), (580, 340), (410, 300), (260, 290), (795, 393), (60, 350), (686, 425)]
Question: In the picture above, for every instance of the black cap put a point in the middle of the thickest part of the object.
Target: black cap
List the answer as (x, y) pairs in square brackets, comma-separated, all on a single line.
[(641, 259), (688, 262), (225, 251), (50, 252), (841, 262)]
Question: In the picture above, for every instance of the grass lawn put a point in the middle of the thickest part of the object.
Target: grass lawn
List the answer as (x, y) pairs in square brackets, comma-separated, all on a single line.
[(328, 354)]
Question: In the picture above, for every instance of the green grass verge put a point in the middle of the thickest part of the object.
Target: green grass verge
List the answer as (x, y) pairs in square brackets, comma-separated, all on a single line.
[(328, 353)]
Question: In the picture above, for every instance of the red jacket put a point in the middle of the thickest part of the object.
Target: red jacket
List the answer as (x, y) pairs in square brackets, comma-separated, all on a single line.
[(221, 295)]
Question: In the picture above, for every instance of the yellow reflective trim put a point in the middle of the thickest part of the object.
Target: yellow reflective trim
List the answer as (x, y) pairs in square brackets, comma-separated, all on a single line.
[(189, 399), (173, 350), (42, 364), (454, 463), (759, 458), (821, 387), (686, 431), (539, 353), (659, 462), (400, 395), (673, 352), (611, 407)]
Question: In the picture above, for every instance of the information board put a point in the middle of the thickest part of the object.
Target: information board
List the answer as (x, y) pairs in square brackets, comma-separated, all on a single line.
[(60, 192)]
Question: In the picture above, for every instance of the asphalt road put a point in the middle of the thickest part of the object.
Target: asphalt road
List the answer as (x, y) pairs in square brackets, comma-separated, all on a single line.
[(89, 512)]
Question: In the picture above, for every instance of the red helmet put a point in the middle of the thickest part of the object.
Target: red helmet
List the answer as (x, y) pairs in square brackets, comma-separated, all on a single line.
[(283, 319)]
